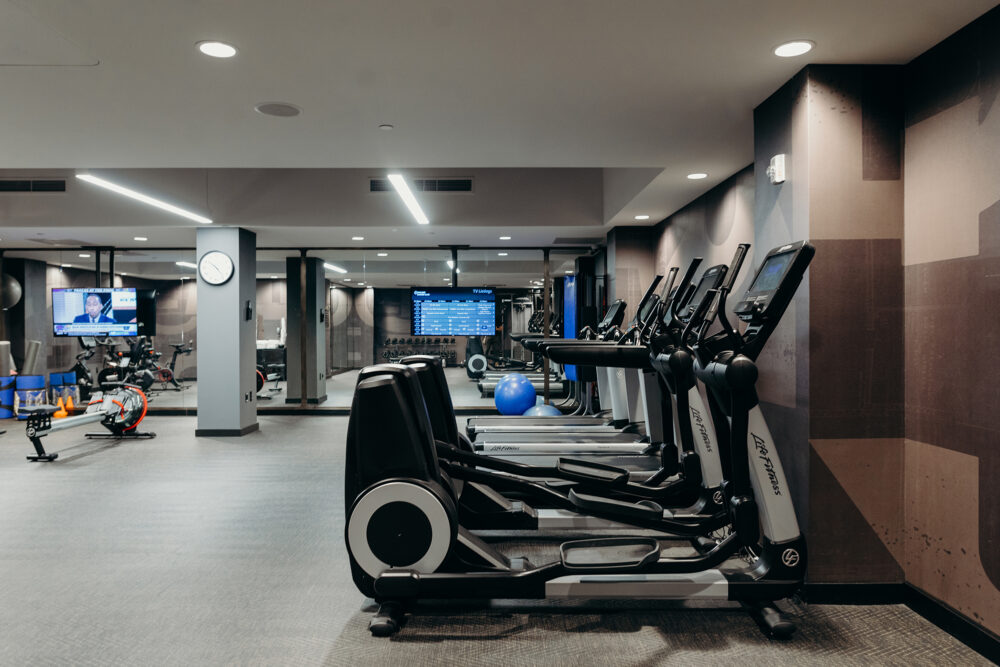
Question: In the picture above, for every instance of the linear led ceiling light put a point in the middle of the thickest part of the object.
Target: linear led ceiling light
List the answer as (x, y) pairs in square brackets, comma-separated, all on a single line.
[(334, 267), (146, 199), (188, 265), (403, 189)]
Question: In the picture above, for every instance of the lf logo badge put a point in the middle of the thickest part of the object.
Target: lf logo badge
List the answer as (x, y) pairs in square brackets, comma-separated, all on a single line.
[(717, 497), (790, 557)]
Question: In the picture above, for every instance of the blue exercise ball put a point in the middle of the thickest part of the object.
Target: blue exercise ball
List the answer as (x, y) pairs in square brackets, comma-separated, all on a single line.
[(542, 411), (513, 377), (513, 397)]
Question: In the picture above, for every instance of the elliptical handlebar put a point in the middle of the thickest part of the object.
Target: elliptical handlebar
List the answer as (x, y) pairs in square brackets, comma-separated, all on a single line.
[(698, 317), (684, 287), (735, 266)]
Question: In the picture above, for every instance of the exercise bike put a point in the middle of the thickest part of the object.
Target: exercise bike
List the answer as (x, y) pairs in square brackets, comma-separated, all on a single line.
[(84, 378), (119, 409), (166, 375)]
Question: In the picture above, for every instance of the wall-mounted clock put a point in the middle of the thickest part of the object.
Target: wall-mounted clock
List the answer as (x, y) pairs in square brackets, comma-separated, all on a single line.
[(215, 267)]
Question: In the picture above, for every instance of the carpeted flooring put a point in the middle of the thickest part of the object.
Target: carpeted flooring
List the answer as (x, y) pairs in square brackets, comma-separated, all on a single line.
[(229, 551)]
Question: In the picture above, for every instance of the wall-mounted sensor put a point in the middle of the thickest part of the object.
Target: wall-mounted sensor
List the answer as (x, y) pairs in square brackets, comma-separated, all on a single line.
[(776, 169)]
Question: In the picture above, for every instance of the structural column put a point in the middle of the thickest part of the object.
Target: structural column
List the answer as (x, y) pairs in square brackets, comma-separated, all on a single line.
[(306, 341), (227, 375)]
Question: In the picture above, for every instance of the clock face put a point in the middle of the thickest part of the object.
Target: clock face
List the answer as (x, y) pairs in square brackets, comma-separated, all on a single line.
[(215, 267)]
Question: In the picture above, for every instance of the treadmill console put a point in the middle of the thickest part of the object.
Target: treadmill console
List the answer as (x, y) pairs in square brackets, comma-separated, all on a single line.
[(614, 316)]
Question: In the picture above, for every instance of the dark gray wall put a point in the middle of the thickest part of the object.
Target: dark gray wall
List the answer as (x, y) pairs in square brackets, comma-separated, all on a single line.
[(630, 264), (352, 323), (952, 263)]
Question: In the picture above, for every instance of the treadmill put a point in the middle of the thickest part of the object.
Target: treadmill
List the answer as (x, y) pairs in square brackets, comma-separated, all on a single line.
[(632, 357), (630, 441), (614, 385), (614, 316)]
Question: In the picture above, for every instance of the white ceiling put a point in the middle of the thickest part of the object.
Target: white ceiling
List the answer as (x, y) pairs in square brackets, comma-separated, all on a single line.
[(616, 99)]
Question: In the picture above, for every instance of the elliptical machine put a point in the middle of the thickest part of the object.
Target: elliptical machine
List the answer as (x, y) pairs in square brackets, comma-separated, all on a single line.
[(407, 541)]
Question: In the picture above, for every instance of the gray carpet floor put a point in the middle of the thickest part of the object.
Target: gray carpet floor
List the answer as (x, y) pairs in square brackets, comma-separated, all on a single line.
[(229, 551)]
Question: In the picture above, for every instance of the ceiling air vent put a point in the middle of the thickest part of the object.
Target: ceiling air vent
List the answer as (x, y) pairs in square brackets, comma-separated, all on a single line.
[(24, 185), (424, 185), (567, 240)]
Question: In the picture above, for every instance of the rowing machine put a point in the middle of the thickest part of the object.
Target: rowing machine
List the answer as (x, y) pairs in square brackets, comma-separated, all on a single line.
[(119, 410)]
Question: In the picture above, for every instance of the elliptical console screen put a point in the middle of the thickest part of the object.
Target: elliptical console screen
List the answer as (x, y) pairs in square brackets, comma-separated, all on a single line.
[(453, 311), (94, 311), (769, 276)]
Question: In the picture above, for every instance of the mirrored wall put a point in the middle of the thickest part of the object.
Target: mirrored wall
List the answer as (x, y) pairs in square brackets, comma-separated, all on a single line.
[(367, 316)]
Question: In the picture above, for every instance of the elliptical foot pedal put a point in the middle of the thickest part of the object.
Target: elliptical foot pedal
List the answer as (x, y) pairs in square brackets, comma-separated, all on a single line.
[(387, 620), (618, 553), (644, 510), (770, 620), (589, 471)]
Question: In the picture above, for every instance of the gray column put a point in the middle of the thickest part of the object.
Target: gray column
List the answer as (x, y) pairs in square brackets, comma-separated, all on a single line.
[(227, 375), (312, 337)]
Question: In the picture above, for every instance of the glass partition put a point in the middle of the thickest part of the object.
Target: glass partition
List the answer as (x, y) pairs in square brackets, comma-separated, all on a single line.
[(368, 311), (165, 316)]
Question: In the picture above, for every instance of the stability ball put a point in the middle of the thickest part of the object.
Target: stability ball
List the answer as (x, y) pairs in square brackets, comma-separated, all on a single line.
[(542, 411), (513, 397), (513, 377)]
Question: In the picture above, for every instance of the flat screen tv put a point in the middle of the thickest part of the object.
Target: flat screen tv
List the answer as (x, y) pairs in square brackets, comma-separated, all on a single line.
[(94, 311), (452, 311)]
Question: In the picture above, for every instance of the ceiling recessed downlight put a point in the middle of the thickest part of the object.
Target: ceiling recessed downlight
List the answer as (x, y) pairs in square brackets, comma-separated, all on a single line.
[(697, 176), (278, 109), (382, 254), (501, 254), (385, 126), (84, 255), (217, 49), (65, 265), (642, 217), (274, 277), (505, 238), (139, 238), (794, 48), (357, 238), (347, 280)]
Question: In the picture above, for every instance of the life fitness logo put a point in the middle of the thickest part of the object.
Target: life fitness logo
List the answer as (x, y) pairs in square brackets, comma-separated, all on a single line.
[(790, 557)]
